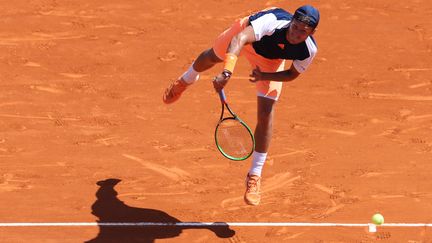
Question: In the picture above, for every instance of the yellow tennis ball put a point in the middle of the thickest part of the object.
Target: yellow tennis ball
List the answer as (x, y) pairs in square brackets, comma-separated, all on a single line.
[(378, 219)]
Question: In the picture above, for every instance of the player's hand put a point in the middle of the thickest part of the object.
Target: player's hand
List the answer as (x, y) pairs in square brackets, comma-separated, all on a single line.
[(221, 80), (256, 75)]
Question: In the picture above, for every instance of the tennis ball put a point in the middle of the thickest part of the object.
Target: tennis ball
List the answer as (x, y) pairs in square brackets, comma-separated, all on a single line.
[(378, 219)]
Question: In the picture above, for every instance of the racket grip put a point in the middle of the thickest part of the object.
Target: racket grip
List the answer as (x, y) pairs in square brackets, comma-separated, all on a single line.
[(222, 96)]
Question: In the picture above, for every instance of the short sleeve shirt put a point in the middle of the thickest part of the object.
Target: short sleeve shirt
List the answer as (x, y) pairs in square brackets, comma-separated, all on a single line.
[(270, 28)]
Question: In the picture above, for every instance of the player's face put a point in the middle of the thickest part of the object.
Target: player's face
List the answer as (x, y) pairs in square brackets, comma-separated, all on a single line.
[(298, 32)]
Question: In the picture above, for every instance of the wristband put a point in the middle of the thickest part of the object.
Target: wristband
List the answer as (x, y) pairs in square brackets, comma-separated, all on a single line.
[(230, 62)]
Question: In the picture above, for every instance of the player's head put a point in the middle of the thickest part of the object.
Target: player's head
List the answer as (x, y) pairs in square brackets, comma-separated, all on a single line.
[(303, 24)]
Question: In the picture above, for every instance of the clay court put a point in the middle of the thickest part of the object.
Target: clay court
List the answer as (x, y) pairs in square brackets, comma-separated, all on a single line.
[(85, 136)]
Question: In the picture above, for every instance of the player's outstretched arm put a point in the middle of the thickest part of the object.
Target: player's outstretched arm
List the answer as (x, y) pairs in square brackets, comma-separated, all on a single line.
[(238, 41), (282, 76)]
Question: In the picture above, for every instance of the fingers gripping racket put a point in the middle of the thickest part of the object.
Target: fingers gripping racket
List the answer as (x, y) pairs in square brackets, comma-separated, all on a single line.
[(234, 139)]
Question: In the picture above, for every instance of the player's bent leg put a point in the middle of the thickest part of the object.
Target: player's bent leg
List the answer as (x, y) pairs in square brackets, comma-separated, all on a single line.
[(205, 60)]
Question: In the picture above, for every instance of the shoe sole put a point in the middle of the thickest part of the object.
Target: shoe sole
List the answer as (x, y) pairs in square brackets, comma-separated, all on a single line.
[(251, 203)]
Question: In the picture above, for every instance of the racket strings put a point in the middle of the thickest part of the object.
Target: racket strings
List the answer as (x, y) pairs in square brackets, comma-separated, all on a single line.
[(234, 139)]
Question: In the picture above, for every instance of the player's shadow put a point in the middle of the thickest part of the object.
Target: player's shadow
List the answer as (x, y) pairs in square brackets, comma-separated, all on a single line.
[(109, 209)]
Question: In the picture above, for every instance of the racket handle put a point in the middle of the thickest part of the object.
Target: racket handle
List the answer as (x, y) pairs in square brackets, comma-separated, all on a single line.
[(222, 96)]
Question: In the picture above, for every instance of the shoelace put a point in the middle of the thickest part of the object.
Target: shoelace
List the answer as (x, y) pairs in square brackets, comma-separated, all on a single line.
[(252, 185), (172, 91)]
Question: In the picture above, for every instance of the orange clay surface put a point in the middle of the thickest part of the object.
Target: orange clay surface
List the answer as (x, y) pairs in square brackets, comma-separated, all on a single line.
[(81, 86)]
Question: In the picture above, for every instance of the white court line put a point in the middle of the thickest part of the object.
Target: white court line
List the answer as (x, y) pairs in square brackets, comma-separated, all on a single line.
[(206, 224), (411, 69)]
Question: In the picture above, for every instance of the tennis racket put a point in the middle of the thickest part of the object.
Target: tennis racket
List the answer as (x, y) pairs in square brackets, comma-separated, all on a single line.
[(233, 137)]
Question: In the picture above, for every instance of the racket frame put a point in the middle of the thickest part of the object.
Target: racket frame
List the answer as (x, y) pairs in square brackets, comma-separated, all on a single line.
[(234, 117)]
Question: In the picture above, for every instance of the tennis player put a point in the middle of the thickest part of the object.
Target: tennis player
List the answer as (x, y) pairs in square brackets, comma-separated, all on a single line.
[(267, 39)]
